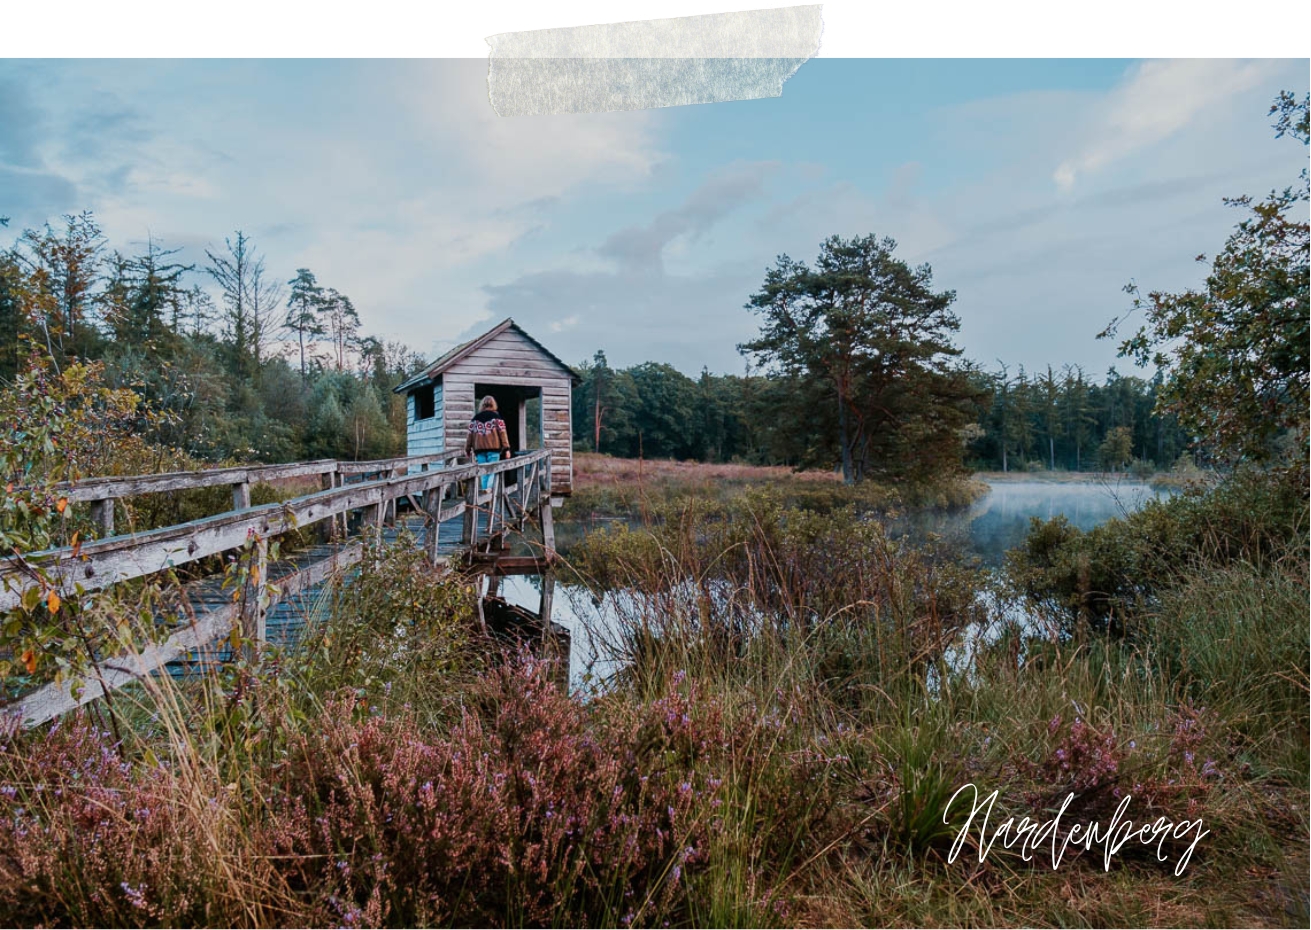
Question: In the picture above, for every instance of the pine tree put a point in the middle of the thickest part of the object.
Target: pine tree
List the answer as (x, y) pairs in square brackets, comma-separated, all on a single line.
[(303, 308)]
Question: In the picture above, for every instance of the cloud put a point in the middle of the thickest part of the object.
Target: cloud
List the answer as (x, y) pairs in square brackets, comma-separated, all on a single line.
[(1156, 100), (517, 159), (690, 321), (637, 310), (24, 193), (642, 247), (20, 126), (900, 210)]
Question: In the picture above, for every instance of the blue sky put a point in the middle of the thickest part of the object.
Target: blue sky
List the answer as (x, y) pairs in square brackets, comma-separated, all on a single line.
[(1035, 189)]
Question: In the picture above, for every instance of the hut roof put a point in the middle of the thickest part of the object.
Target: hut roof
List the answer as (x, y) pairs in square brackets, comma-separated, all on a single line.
[(465, 349)]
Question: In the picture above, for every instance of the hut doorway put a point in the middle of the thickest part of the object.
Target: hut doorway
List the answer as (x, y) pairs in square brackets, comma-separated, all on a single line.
[(521, 409)]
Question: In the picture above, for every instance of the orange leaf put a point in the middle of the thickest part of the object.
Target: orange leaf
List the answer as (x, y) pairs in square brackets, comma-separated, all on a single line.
[(62, 504), (75, 543), (29, 660), (53, 602)]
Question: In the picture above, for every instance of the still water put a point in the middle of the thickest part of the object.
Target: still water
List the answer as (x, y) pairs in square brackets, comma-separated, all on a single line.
[(1000, 519), (996, 522)]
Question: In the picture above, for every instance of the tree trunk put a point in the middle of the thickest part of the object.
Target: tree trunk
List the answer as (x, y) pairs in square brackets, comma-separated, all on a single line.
[(847, 476)]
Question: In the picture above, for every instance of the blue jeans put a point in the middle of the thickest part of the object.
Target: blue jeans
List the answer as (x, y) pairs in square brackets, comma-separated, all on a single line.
[(485, 482)]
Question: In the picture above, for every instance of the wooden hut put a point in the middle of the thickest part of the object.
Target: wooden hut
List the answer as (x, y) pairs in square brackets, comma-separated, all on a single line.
[(533, 391)]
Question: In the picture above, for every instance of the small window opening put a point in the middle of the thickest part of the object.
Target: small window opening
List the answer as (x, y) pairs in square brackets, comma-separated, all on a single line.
[(423, 403)]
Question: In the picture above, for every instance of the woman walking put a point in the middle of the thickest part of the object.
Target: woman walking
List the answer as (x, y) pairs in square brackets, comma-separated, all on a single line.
[(487, 439)]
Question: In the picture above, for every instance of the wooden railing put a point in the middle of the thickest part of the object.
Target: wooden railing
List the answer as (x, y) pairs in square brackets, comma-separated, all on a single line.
[(101, 493), (96, 565)]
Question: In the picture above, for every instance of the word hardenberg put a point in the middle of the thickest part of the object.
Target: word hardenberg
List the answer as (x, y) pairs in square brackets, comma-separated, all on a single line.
[(1032, 834)]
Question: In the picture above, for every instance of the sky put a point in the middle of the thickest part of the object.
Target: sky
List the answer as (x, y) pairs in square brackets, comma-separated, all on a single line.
[(1036, 190)]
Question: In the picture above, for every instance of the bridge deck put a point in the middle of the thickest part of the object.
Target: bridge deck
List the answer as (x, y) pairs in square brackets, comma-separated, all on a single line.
[(288, 619)]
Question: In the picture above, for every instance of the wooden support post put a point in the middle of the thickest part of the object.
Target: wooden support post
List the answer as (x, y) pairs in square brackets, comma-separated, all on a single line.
[(544, 509), (241, 496), (327, 529), (548, 599), (102, 512), (372, 525), (470, 535), (478, 590), (548, 529), (493, 584), (496, 519), (434, 507), (255, 607), (392, 513)]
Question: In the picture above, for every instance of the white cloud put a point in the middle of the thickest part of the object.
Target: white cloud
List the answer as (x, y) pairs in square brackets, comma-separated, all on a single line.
[(515, 159), (1156, 100)]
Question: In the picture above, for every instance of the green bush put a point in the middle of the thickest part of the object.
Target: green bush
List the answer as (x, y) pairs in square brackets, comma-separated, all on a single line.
[(1103, 576)]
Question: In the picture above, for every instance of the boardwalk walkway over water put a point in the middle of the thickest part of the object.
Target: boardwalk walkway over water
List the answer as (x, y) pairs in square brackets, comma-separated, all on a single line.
[(362, 506)]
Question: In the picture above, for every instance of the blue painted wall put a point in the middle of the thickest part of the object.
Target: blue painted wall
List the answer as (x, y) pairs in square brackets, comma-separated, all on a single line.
[(425, 437)]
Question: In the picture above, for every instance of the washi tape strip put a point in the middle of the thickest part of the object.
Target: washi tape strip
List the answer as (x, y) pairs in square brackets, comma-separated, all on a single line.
[(651, 63)]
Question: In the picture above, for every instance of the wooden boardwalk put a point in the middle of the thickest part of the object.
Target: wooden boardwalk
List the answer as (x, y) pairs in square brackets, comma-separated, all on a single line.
[(363, 506), (288, 618)]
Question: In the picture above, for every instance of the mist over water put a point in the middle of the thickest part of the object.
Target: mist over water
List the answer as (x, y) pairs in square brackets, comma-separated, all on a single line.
[(1001, 518)]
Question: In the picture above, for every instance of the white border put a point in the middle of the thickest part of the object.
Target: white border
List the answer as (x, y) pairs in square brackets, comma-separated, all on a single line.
[(852, 28)]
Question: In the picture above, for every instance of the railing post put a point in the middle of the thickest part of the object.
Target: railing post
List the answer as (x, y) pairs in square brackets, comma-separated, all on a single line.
[(102, 512), (327, 529), (390, 513), (434, 508), (241, 495), (495, 524), (548, 598), (544, 507), (255, 608), (470, 534), (372, 524)]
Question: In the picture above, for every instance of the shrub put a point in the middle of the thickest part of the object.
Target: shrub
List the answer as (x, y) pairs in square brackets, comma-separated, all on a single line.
[(1102, 576)]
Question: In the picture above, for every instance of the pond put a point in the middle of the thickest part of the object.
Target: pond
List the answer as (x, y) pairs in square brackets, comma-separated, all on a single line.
[(996, 522), (1000, 519)]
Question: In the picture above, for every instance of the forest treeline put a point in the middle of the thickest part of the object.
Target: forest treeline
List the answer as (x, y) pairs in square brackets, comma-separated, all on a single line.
[(1055, 419), (238, 362)]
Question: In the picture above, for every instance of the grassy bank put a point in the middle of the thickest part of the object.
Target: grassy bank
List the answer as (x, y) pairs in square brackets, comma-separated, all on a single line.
[(779, 751), (606, 487)]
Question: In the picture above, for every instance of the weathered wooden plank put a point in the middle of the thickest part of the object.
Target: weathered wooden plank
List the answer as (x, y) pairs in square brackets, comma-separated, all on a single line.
[(512, 378), (501, 565), (92, 489), (496, 371), (389, 465), (108, 488), (498, 351)]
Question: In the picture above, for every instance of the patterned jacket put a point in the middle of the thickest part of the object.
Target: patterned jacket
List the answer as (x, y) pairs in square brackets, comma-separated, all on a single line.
[(487, 434)]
